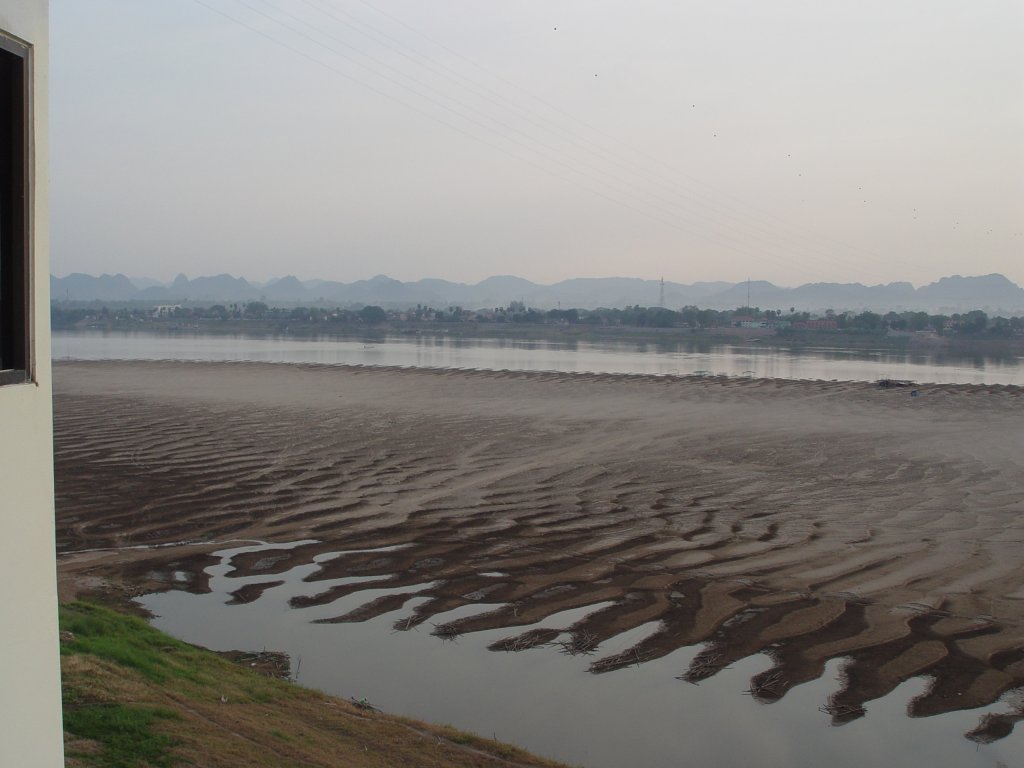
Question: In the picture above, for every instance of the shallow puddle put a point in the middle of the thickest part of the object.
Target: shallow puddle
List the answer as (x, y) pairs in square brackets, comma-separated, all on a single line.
[(548, 699)]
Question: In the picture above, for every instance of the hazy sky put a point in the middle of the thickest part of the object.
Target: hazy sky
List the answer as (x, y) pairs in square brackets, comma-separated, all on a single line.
[(790, 141)]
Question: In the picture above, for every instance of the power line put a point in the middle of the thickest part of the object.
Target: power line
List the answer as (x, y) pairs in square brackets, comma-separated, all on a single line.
[(746, 238), (733, 244), (660, 163)]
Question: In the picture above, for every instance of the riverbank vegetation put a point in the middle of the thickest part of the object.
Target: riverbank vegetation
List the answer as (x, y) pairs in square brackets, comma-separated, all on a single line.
[(975, 322)]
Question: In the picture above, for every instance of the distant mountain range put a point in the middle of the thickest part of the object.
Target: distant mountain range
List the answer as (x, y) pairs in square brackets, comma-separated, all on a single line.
[(992, 293)]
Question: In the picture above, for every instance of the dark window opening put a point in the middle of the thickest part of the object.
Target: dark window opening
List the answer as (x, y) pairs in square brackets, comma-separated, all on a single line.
[(15, 306)]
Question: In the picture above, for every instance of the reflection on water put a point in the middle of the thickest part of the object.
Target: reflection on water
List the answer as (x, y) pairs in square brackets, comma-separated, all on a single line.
[(642, 710), (664, 358)]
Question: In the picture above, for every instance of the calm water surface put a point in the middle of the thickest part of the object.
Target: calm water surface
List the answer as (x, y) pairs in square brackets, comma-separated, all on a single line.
[(573, 357), (548, 702)]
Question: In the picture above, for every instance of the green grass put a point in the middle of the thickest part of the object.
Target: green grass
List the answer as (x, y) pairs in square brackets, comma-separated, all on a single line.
[(125, 734), (128, 641)]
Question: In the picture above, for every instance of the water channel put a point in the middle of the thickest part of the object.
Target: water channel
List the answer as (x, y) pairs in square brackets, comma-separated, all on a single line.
[(549, 702)]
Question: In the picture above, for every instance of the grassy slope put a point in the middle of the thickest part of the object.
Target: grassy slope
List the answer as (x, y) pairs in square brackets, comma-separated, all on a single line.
[(134, 696)]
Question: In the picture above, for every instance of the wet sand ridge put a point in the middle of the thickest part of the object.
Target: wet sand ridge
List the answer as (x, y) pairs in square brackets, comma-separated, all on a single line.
[(806, 520)]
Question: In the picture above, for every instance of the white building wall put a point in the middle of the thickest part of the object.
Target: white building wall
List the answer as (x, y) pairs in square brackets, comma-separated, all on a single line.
[(30, 716)]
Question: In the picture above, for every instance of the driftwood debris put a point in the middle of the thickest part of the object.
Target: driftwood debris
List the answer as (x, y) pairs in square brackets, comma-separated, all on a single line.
[(447, 631), (363, 704), (625, 659), (703, 667), (891, 383), (842, 713), (769, 686), (534, 638), (581, 643), (267, 663)]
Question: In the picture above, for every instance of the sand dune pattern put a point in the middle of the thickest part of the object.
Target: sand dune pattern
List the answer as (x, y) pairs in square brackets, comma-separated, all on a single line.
[(804, 520)]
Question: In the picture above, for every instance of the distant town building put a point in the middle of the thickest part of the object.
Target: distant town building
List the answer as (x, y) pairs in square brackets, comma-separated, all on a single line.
[(166, 310), (826, 324), (745, 321)]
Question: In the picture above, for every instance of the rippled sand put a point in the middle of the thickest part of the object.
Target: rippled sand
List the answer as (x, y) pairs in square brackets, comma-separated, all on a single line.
[(804, 520)]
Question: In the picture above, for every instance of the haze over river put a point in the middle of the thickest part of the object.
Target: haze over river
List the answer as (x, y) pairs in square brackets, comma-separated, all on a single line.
[(663, 358)]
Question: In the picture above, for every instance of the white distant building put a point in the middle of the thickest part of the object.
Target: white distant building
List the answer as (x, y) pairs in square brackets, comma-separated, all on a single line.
[(165, 310), (30, 705)]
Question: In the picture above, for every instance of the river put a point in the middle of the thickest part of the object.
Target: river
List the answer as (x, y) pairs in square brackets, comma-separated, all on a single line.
[(663, 358)]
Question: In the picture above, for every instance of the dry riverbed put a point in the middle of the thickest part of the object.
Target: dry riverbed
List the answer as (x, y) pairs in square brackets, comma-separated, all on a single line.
[(805, 520)]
